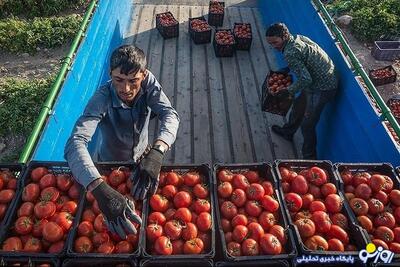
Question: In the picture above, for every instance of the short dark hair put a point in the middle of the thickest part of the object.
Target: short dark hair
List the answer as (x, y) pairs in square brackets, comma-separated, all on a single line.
[(129, 58), (277, 30)]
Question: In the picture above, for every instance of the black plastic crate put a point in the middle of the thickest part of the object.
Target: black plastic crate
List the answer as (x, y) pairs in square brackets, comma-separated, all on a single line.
[(242, 43), (176, 263), (266, 174), (200, 37), (394, 105), (382, 168), (216, 19), (104, 168), (205, 171), (277, 104), (17, 171), (224, 50), (99, 262), (386, 50), (29, 261), (356, 233), (169, 31), (381, 81), (55, 168)]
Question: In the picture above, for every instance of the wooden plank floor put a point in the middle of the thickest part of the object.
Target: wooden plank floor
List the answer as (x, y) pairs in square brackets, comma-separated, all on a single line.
[(218, 99)]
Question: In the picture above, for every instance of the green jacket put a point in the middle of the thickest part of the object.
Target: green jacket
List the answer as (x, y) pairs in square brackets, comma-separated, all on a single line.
[(310, 63)]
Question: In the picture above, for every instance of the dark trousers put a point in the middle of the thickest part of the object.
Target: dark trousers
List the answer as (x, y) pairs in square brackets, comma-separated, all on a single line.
[(306, 111)]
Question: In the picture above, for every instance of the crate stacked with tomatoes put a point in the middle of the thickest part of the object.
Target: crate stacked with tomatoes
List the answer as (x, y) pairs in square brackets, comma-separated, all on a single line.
[(243, 35), (167, 25), (180, 217), (273, 100), (250, 217), (383, 76), (224, 43), (373, 193), (199, 30), (176, 263), (394, 104), (92, 237), (9, 175), (216, 11), (30, 261), (43, 213), (315, 208), (99, 262)]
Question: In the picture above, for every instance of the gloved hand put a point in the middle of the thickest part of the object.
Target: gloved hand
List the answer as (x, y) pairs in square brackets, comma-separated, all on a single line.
[(146, 176), (116, 209)]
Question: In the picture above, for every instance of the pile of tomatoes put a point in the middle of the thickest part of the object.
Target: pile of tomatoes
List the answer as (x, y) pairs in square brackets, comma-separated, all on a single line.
[(92, 233), (224, 37), (8, 185), (199, 25), (216, 7), (167, 19), (180, 220), (49, 202), (376, 205), (316, 209), (394, 106), (382, 73), (278, 81), (242, 30), (249, 214)]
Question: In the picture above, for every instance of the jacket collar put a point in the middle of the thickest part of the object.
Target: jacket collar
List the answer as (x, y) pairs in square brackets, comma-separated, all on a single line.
[(288, 42)]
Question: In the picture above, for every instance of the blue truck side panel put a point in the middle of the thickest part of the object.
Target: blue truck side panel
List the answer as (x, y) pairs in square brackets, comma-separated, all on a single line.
[(349, 128), (90, 69)]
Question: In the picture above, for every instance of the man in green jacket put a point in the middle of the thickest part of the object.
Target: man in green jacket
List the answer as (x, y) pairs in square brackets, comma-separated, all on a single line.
[(315, 86)]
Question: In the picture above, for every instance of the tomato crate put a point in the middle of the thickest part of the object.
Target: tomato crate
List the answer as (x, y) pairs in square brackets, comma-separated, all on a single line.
[(29, 261), (167, 25), (10, 178), (202, 35), (216, 11), (176, 263), (277, 104), (376, 188), (383, 76), (243, 35), (386, 50), (39, 177), (271, 223), (296, 177), (130, 245), (196, 181), (222, 47), (394, 105), (99, 262)]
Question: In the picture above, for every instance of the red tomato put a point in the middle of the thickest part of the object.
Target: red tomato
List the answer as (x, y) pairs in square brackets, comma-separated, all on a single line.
[(177, 246), (106, 248), (157, 218), (193, 246), (385, 219), (380, 243), (225, 190), (269, 203), (384, 233), (346, 177), (268, 188), (191, 178), (189, 232), (158, 203), (240, 181), (226, 225), (56, 247), (333, 203), (394, 197), (52, 232), (163, 246), (183, 215), (270, 244), (267, 220), (85, 228), (359, 206), (255, 191), (116, 178), (238, 197), (340, 219), (169, 191), (234, 249), (360, 178), (225, 175), (375, 206), (363, 191), (12, 244), (153, 231), (201, 205), (38, 173), (335, 244), (293, 201), (173, 229), (44, 209), (382, 197), (64, 219), (339, 233), (317, 176), (26, 209), (123, 247), (327, 189), (64, 182), (169, 214), (252, 176), (228, 210), (365, 223), (182, 200), (88, 215), (316, 242), (322, 222), (240, 233), (253, 208), (239, 219), (250, 247), (12, 184), (204, 221), (377, 182), (306, 227), (279, 232), (100, 238), (255, 231), (6, 196), (99, 224), (200, 191), (299, 185), (33, 245), (73, 191), (23, 225), (47, 181), (173, 178)]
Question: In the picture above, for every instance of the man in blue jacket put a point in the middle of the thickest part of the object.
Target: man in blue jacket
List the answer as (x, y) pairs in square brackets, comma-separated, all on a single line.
[(121, 110)]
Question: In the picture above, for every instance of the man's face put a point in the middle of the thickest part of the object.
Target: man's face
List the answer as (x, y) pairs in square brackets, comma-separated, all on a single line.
[(276, 42), (127, 86)]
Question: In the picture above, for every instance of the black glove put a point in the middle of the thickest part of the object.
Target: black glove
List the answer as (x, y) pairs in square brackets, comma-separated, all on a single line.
[(146, 176), (116, 209)]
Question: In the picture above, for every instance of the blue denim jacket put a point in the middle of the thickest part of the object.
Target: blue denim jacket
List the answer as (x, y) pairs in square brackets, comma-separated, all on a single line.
[(124, 129)]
